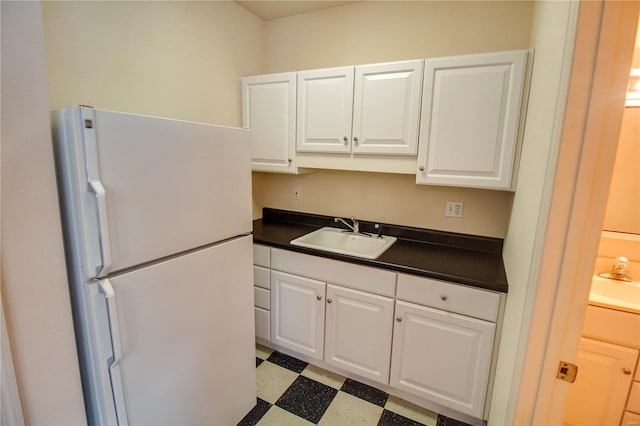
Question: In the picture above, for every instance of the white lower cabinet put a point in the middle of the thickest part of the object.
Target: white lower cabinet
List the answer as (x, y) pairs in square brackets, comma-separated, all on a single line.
[(442, 357), (297, 308), (438, 348), (358, 332)]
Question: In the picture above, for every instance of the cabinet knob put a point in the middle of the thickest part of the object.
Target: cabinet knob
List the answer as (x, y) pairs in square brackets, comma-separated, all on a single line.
[(444, 297), (289, 160), (319, 297), (345, 139), (421, 168), (355, 139), (329, 300), (626, 371), (399, 319)]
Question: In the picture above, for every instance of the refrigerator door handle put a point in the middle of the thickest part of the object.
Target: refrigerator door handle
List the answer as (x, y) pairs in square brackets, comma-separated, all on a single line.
[(107, 289), (103, 226), (95, 185)]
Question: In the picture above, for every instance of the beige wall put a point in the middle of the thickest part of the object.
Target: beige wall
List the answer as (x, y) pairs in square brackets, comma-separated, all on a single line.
[(34, 283), (623, 205), (177, 59), (368, 32)]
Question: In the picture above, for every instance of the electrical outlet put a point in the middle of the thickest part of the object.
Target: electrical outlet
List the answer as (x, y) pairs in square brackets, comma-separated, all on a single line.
[(453, 209), (297, 193)]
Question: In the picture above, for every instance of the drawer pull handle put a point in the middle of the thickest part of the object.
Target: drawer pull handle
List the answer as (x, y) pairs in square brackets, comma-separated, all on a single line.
[(399, 319), (444, 297), (626, 371)]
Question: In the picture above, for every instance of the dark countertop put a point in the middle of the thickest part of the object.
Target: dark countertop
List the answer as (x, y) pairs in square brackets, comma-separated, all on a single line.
[(459, 258)]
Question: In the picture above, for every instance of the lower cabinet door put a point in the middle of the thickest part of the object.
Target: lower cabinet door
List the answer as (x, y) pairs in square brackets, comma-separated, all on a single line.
[(358, 332), (442, 357), (598, 395), (297, 313)]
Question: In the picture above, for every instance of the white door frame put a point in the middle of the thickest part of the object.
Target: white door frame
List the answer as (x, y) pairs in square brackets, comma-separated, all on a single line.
[(595, 102), (10, 406)]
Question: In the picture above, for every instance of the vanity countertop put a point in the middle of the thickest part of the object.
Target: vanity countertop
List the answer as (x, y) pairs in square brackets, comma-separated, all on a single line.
[(465, 259), (619, 295)]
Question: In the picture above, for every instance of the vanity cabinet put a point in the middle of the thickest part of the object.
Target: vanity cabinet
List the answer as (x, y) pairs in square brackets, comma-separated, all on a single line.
[(440, 353), (470, 119), (269, 110), (367, 109), (358, 332), (607, 358), (297, 305)]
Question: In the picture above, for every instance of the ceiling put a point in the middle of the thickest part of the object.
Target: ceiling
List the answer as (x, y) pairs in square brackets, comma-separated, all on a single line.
[(274, 9)]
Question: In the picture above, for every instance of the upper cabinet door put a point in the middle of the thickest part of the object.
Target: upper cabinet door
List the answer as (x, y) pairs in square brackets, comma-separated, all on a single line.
[(269, 110), (470, 119), (386, 108), (325, 100)]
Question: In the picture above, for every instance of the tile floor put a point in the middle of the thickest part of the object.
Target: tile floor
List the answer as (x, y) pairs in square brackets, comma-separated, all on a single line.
[(292, 392)]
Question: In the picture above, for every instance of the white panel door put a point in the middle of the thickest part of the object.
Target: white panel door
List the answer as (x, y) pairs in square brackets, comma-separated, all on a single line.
[(358, 332), (599, 394), (166, 183), (325, 102), (297, 313), (470, 117), (186, 329), (386, 108), (269, 110), (442, 357)]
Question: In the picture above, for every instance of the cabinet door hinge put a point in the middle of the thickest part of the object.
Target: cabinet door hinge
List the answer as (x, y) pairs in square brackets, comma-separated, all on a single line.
[(567, 372)]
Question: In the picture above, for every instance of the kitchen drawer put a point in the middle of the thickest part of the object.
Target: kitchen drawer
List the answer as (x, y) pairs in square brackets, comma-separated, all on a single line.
[(608, 325), (634, 398), (263, 323), (262, 298), (630, 419), (261, 255), (262, 277), (469, 301), (364, 278)]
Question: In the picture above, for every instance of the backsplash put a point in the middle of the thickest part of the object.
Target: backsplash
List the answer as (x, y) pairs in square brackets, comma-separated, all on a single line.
[(614, 245)]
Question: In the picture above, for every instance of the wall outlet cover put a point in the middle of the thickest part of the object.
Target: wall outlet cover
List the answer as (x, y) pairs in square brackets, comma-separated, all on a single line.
[(453, 209)]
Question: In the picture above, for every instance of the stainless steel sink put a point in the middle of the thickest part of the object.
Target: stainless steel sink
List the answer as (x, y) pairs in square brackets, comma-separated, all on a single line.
[(337, 240)]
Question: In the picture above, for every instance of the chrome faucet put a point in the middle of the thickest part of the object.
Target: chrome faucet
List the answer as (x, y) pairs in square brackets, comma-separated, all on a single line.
[(618, 271), (355, 228)]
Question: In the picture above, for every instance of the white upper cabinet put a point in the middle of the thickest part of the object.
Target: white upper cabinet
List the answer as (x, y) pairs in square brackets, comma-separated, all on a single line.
[(269, 110), (325, 105), (386, 108), (368, 109), (470, 120)]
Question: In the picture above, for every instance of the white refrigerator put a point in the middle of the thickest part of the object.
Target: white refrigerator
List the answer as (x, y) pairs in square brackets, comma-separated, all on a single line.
[(157, 226)]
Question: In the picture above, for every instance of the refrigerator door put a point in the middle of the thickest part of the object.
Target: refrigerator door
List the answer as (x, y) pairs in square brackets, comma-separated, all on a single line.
[(183, 338), (153, 187)]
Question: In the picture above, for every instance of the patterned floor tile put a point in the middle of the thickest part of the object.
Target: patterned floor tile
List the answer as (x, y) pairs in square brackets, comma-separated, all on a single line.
[(349, 410), (446, 421), (323, 376), (273, 381), (411, 411), (263, 352), (287, 362), (389, 418), (307, 398), (276, 416), (368, 393), (256, 413)]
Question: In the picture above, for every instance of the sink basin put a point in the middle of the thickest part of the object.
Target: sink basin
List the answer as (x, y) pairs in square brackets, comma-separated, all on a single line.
[(337, 240), (621, 295)]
